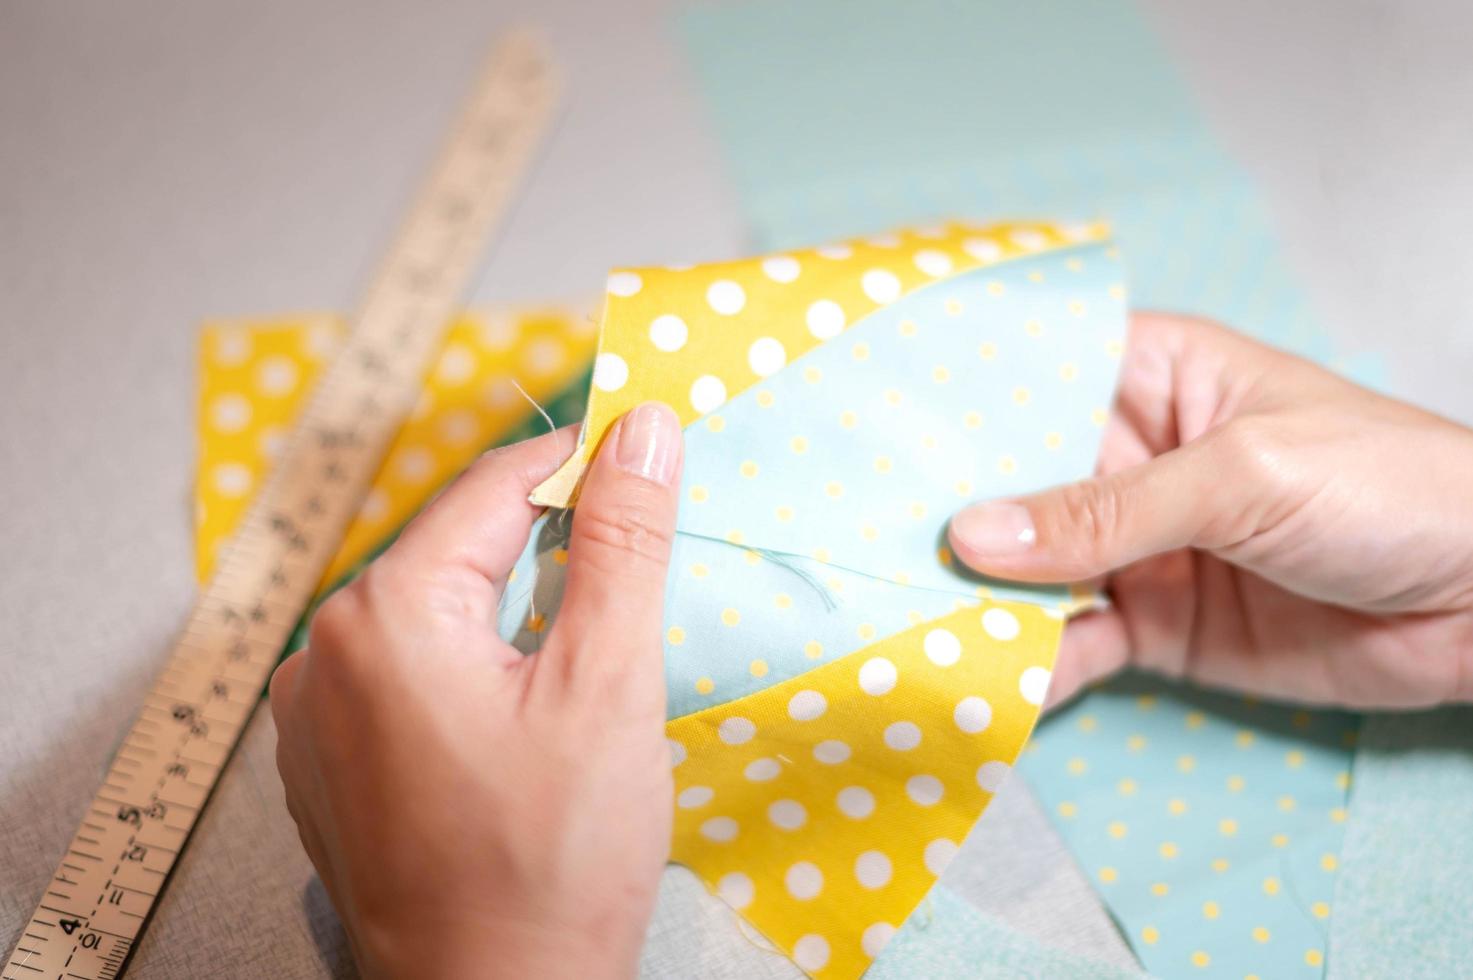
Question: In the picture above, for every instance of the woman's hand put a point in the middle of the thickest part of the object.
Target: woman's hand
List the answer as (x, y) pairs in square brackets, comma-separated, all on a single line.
[(1261, 525), (474, 812)]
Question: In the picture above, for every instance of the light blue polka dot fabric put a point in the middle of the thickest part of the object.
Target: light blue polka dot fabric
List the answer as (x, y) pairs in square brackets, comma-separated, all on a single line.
[(995, 381), (825, 490), (1063, 109), (795, 613), (1211, 824)]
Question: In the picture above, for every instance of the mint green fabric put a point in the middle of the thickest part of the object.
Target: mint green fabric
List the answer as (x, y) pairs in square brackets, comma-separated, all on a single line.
[(1211, 824), (841, 117), (1404, 905), (947, 936)]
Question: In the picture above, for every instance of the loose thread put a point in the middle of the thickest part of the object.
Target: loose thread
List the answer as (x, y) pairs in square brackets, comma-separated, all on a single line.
[(778, 558), (788, 560), (929, 910), (551, 425), (557, 456), (755, 939), (552, 428)]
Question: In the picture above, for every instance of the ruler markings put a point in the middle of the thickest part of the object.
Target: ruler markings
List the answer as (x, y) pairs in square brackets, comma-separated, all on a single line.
[(266, 575)]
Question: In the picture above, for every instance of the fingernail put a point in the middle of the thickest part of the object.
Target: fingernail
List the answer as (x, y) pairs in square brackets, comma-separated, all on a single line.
[(999, 528), (649, 442)]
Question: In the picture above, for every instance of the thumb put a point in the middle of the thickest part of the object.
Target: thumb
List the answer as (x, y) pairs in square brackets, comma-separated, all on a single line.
[(1084, 530), (619, 551)]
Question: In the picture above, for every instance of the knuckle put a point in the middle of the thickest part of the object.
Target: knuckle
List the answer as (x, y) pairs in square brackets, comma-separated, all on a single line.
[(332, 624), (1249, 444), (1251, 453), (1090, 512), (337, 631), (378, 588), (633, 530), (276, 689), (1261, 478)]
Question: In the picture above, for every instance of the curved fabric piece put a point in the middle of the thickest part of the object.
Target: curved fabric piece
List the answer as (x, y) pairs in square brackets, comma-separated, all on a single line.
[(986, 383), (843, 697), (685, 335), (825, 807)]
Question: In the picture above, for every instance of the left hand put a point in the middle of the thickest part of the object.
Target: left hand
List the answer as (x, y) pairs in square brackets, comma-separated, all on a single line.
[(474, 812), (1261, 525)]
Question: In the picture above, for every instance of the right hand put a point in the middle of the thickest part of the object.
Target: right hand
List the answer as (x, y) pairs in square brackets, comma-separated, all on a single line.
[(1261, 525)]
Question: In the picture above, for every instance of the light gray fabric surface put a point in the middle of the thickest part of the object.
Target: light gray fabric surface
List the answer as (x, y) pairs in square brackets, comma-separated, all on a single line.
[(1012, 867), (1409, 808), (161, 162), (1016, 873)]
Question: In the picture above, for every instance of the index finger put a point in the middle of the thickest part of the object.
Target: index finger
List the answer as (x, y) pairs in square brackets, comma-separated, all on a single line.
[(481, 521)]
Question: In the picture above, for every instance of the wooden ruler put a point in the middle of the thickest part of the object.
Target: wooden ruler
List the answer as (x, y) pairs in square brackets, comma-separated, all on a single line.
[(97, 903)]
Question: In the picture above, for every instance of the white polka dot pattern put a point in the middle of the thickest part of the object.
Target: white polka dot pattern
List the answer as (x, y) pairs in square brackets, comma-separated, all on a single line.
[(837, 413), (798, 809), (807, 298), (951, 698), (256, 375)]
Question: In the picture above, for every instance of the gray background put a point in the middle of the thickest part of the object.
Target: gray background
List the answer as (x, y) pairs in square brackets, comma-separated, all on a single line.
[(165, 162)]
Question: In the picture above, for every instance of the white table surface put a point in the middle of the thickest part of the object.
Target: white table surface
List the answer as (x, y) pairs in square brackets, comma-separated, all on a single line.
[(165, 162)]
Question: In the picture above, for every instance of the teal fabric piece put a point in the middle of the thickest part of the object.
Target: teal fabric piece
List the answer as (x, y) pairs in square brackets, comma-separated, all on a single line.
[(947, 936), (1211, 824), (990, 381), (846, 116), (842, 117), (1406, 886)]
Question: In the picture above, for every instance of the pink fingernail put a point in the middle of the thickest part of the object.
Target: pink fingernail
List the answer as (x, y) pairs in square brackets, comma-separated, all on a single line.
[(649, 442), (999, 528)]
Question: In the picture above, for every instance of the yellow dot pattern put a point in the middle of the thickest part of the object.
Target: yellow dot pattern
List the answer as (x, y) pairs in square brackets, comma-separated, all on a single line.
[(675, 324), (255, 376), (831, 835), (1220, 820), (836, 798)]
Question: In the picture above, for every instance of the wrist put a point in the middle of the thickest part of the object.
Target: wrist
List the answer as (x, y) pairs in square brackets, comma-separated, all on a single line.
[(499, 950)]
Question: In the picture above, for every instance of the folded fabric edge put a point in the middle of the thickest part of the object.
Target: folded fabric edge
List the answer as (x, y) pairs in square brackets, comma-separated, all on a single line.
[(948, 936)]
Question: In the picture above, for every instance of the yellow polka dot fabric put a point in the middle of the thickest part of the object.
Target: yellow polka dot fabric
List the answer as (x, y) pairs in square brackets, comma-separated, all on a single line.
[(843, 695), (683, 335), (255, 375), (825, 807), (845, 698)]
